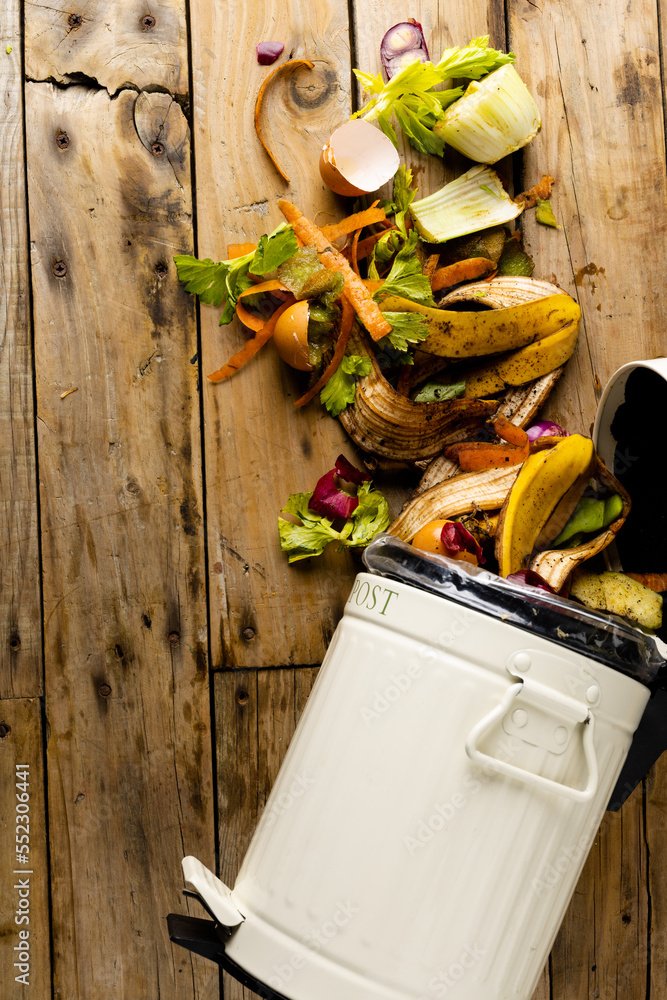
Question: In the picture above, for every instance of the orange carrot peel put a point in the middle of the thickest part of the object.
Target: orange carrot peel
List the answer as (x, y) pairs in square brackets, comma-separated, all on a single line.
[(353, 222), (462, 270), (354, 290), (289, 65), (251, 347), (256, 323), (235, 250), (474, 456), (345, 329)]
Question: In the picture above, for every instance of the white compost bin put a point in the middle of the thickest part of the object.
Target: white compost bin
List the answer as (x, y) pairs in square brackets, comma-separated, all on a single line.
[(442, 790)]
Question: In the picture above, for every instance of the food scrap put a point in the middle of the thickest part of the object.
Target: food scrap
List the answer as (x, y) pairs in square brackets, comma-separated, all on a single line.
[(268, 52), (309, 521), (68, 391), (288, 66)]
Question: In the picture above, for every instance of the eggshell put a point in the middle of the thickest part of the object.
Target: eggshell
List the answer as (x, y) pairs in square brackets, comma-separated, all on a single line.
[(357, 159), (291, 336)]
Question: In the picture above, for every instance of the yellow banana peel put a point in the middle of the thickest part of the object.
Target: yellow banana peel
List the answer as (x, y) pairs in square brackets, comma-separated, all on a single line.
[(476, 334), (524, 365), (544, 479)]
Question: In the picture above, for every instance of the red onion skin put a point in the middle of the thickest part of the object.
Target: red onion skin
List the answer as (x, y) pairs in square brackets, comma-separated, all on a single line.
[(328, 500), (350, 473), (455, 538), (545, 428), (390, 58), (268, 52)]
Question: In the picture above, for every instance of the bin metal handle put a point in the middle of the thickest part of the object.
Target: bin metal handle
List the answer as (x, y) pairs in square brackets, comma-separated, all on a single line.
[(528, 777)]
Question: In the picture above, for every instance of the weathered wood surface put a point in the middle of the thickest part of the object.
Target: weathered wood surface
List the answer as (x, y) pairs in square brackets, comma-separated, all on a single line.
[(123, 486), (256, 712), (24, 897), (127, 697), (259, 449), (20, 631), (113, 44)]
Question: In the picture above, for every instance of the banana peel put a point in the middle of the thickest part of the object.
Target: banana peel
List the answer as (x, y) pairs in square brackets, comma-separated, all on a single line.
[(388, 425), (543, 480), (475, 334), (459, 495), (524, 365)]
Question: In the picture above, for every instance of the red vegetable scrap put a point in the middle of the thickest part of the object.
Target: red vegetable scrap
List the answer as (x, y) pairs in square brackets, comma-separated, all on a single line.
[(402, 44), (268, 52), (545, 428), (350, 473), (328, 499), (455, 538)]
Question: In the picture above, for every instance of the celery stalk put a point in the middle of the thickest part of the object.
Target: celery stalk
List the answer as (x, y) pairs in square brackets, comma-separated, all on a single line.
[(474, 201), (495, 116)]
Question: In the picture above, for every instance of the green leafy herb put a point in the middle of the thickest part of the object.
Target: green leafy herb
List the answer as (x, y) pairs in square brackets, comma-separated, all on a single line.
[(411, 97), (544, 213), (514, 260), (435, 392), (224, 281), (406, 278), (406, 328), (340, 389), (311, 537)]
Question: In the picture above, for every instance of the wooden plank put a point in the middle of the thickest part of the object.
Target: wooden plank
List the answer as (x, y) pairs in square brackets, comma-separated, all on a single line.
[(25, 949), (656, 846), (258, 448), (595, 73), (256, 712), (114, 44), (601, 950), (20, 612), (126, 682)]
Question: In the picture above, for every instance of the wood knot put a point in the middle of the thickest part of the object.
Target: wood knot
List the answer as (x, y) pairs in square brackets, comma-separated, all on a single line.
[(15, 643), (161, 269), (313, 88), (5, 730)]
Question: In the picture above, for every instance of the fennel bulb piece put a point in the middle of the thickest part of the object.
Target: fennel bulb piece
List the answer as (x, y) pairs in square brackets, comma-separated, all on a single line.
[(496, 116), (472, 202)]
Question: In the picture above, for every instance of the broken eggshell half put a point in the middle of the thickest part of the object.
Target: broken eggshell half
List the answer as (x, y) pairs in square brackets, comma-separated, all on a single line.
[(357, 159)]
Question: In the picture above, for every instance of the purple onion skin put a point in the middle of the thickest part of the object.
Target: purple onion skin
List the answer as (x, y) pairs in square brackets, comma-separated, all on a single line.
[(268, 52), (402, 44), (545, 428)]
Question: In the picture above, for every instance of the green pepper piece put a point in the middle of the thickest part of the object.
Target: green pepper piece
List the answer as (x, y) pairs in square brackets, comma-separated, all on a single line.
[(589, 516)]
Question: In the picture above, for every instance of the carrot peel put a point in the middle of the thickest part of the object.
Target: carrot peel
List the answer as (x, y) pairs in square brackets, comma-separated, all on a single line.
[(289, 65), (251, 347)]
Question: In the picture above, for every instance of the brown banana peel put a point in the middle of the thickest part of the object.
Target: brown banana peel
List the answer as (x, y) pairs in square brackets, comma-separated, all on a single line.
[(544, 479), (502, 292), (386, 424), (555, 565), (459, 495), (475, 334)]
